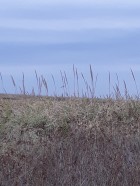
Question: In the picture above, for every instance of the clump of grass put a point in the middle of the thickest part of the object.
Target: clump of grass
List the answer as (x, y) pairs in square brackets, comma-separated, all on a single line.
[(70, 140)]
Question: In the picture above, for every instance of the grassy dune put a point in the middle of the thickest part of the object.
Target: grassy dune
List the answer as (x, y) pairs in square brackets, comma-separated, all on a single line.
[(69, 140), (51, 141)]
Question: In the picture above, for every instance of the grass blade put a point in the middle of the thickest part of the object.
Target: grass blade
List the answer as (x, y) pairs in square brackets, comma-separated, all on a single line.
[(74, 80), (135, 83), (23, 84), (14, 84), (55, 92), (92, 83), (2, 83)]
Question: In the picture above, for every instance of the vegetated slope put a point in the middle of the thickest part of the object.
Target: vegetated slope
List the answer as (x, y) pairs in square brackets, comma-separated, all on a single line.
[(72, 141)]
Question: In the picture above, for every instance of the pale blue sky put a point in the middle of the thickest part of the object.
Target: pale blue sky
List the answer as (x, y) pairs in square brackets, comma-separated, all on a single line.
[(52, 35)]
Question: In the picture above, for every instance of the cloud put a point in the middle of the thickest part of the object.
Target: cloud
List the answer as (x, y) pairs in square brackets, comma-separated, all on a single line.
[(48, 12), (69, 15), (26, 2), (54, 37), (71, 24)]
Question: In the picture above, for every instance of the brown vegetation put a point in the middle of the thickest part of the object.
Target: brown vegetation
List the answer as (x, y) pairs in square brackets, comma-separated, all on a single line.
[(75, 141), (68, 140)]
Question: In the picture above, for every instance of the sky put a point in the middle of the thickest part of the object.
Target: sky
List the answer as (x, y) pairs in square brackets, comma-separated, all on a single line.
[(50, 36)]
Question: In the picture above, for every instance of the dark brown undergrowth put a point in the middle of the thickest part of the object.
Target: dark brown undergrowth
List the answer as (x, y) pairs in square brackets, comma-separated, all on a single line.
[(72, 142)]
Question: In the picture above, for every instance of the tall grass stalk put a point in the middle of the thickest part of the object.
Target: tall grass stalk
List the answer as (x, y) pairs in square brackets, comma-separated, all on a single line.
[(86, 94), (87, 91), (67, 84), (135, 83), (44, 82), (14, 84), (2, 83), (74, 80), (39, 86), (63, 84), (36, 75), (23, 84), (109, 80), (77, 83), (92, 83), (55, 90), (117, 92), (118, 83), (126, 91), (96, 79)]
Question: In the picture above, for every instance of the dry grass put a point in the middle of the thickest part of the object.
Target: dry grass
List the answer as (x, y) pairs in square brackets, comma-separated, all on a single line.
[(68, 140)]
